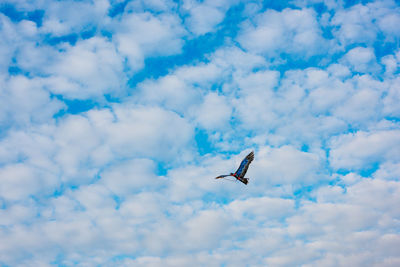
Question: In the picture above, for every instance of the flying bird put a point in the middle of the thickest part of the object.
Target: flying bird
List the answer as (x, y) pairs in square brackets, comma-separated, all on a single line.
[(241, 171)]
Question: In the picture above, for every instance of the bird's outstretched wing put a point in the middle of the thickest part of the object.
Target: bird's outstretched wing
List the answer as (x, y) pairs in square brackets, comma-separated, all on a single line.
[(241, 171)]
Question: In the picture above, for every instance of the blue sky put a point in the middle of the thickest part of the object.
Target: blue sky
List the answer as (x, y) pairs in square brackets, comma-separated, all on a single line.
[(115, 117)]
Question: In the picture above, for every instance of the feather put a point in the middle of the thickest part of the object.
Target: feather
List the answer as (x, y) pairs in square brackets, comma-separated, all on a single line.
[(244, 165)]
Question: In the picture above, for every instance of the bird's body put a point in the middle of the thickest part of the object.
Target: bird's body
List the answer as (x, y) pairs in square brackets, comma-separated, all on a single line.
[(241, 171)]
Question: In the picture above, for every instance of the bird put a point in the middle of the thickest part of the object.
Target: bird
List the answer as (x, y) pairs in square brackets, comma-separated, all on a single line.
[(241, 171)]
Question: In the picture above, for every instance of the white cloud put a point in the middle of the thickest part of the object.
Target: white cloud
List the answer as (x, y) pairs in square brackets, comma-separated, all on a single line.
[(91, 68), (236, 59), (309, 98), (364, 204), (204, 231), (362, 149), (200, 74), (389, 23), (391, 100), (286, 165), (151, 132), (125, 133), (73, 152), (262, 82), (388, 171), (28, 28), (261, 209), (323, 99), (203, 19), (214, 112), (390, 64), (292, 31), (20, 181), (131, 176), (139, 35), (362, 23), (205, 16), (14, 35), (170, 91), (355, 25), (17, 213), (69, 17), (339, 70), (361, 107), (25, 101), (361, 59)]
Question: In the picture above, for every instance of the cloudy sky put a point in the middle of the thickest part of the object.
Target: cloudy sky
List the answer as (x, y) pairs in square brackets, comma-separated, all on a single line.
[(116, 115)]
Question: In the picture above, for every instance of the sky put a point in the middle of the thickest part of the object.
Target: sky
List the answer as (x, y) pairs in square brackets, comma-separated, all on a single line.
[(117, 115)]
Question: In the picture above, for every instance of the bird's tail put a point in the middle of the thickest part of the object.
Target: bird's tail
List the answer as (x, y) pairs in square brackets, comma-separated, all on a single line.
[(244, 180)]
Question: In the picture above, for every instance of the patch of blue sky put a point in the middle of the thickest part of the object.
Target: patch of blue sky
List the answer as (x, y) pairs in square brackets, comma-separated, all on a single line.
[(121, 257), (62, 188), (54, 40), (15, 70), (15, 15), (76, 106), (276, 5), (71, 38), (305, 148), (298, 62), (203, 143), (162, 168), (219, 198), (368, 171), (117, 8), (350, 3), (393, 118), (63, 261), (118, 201), (383, 47)]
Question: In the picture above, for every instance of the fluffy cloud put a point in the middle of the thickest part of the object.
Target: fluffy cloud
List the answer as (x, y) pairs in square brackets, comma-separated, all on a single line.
[(355, 25), (287, 165), (360, 150), (170, 91), (91, 68), (390, 100), (361, 59), (73, 151), (21, 181), (25, 101), (61, 18), (214, 112), (128, 177), (292, 31), (139, 35), (363, 23), (204, 16)]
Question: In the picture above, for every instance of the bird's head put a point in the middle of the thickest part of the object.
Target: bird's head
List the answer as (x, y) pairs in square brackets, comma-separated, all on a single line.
[(221, 176)]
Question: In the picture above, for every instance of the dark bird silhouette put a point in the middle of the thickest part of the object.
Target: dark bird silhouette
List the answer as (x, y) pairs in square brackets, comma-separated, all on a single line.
[(241, 171)]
